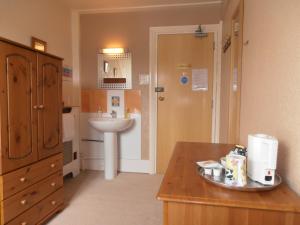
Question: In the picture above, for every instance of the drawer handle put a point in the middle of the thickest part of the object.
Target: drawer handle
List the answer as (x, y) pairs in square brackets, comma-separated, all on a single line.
[(52, 165), (24, 223), (53, 184), (23, 179), (23, 202), (53, 202)]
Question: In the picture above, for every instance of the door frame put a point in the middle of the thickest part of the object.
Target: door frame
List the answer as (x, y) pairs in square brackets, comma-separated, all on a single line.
[(154, 32)]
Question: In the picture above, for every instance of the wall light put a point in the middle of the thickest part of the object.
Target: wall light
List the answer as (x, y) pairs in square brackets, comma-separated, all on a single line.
[(112, 50)]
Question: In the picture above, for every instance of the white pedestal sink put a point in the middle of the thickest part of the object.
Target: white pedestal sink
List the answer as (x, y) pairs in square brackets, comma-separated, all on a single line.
[(110, 127)]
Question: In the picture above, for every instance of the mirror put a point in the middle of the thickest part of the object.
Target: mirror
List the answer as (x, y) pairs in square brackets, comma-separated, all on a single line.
[(114, 71)]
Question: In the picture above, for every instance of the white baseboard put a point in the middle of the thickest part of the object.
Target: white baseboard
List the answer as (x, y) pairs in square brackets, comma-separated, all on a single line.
[(93, 164), (134, 166), (125, 165)]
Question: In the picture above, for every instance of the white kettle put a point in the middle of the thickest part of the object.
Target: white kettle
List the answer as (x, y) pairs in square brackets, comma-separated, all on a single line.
[(262, 158)]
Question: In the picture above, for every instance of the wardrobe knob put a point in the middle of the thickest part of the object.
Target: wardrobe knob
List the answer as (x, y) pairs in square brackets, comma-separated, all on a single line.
[(24, 223), (23, 179), (53, 184), (23, 202), (41, 106), (53, 202), (52, 165)]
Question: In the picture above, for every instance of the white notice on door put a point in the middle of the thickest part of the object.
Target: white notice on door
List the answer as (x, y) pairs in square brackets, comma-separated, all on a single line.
[(199, 79)]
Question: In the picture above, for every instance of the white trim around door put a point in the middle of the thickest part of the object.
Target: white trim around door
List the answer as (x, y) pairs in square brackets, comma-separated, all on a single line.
[(154, 32)]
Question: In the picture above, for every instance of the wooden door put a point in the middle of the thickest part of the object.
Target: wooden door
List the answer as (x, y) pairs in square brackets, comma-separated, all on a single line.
[(235, 76), (184, 112), (50, 106), (17, 107)]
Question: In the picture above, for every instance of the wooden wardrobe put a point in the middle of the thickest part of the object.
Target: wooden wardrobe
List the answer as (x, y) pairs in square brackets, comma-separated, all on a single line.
[(31, 180)]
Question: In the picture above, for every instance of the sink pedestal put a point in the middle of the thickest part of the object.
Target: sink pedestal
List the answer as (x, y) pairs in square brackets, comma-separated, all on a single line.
[(110, 155), (110, 127)]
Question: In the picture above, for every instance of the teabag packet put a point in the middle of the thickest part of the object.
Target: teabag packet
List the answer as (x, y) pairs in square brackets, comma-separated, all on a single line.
[(235, 172)]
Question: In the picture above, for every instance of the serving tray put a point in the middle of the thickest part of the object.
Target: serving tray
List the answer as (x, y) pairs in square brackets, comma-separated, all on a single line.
[(251, 185)]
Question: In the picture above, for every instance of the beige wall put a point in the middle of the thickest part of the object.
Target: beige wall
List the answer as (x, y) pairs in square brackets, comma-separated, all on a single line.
[(131, 29), (45, 19), (48, 20), (271, 79), (229, 10)]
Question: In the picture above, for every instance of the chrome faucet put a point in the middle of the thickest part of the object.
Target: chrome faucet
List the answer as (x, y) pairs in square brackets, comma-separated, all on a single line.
[(113, 114)]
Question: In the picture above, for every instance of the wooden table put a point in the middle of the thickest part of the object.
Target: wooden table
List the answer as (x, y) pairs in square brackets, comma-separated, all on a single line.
[(188, 199)]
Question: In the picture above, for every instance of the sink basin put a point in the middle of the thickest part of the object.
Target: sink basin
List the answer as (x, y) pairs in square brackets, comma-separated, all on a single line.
[(107, 124), (110, 127)]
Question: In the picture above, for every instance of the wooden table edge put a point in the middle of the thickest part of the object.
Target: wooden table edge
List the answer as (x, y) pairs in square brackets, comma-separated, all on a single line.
[(232, 205)]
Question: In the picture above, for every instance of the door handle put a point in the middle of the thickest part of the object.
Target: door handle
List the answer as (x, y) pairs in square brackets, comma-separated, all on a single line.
[(161, 98)]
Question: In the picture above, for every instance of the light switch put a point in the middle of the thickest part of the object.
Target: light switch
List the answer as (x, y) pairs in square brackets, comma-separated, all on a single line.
[(144, 79)]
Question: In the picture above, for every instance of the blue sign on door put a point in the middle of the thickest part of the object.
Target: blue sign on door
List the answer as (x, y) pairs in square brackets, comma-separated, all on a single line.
[(184, 79)]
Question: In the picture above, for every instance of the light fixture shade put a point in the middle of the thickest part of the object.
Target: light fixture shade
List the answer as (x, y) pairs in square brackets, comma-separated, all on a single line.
[(112, 50)]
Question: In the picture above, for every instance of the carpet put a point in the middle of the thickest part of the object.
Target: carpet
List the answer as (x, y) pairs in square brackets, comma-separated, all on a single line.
[(127, 200)]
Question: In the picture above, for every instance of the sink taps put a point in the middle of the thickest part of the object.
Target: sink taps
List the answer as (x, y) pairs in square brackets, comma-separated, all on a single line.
[(100, 112), (113, 114)]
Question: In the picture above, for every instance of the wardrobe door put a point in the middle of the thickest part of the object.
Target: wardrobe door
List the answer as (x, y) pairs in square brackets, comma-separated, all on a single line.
[(18, 111), (49, 105)]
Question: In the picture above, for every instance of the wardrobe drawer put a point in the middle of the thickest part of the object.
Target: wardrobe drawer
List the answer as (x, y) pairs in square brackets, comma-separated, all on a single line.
[(25, 199), (41, 210), (22, 178)]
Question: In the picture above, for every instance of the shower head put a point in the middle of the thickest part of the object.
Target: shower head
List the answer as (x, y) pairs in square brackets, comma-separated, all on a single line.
[(200, 33)]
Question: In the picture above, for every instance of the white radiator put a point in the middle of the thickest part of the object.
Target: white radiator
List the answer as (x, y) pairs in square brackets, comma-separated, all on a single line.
[(70, 141)]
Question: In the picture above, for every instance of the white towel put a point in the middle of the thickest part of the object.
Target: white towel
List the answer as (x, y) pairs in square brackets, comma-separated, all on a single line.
[(68, 126)]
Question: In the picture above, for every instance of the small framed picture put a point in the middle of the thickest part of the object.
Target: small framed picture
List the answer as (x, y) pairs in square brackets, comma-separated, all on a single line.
[(67, 71), (115, 101), (38, 44)]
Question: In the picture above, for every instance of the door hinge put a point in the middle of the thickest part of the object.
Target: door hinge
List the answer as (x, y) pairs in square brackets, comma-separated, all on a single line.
[(212, 103), (214, 45)]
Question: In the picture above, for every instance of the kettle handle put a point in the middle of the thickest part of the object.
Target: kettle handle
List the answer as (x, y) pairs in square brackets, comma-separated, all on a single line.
[(272, 154)]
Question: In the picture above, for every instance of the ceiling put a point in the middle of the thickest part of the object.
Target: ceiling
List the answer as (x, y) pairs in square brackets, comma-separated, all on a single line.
[(111, 4)]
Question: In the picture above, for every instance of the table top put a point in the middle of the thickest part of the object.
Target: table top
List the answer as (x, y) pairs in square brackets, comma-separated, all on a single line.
[(182, 183)]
